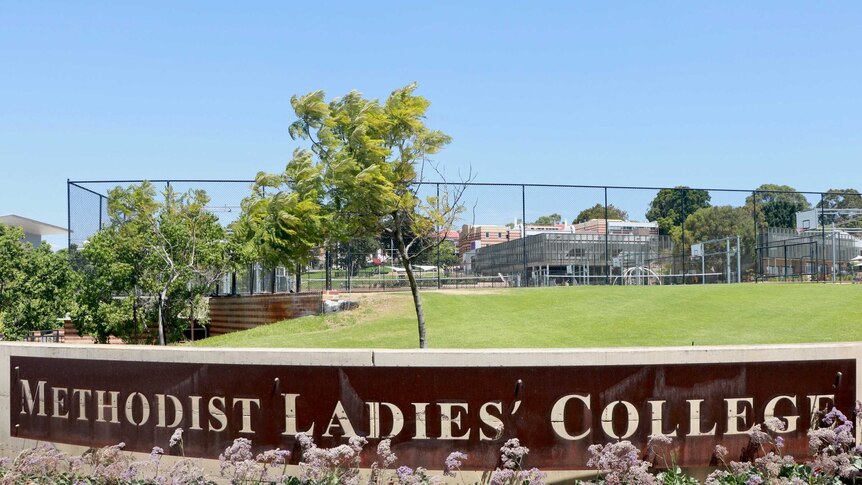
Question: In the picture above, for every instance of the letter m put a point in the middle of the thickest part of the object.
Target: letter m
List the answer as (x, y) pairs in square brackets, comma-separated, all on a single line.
[(28, 401)]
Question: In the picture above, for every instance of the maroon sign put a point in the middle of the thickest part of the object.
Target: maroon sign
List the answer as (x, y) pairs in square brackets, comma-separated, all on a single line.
[(558, 412)]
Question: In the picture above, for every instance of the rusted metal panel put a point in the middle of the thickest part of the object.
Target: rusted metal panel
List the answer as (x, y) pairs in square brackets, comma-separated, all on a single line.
[(234, 313), (558, 412)]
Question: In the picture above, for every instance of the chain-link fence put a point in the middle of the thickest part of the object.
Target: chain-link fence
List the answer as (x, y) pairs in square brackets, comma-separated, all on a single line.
[(516, 235)]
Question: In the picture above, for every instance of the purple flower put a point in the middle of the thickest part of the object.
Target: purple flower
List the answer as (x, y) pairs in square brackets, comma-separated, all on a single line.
[(177, 437), (404, 472), (273, 457), (758, 436), (512, 453), (453, 463), (384, 451), (776, 425)]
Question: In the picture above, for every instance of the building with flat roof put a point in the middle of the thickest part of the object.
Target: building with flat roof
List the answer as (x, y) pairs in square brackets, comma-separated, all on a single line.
[(33, 229), (580, 253), (616, 226), (475, 237), (572, 258)]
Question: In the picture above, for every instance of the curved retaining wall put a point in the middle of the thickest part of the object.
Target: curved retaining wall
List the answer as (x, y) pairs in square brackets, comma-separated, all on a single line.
[(557, 402)]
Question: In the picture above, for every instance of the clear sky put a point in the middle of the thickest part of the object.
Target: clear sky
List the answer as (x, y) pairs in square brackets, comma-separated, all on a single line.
[(707, 94)]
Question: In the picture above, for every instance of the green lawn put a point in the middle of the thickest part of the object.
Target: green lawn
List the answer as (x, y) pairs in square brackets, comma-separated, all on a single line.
[(581, 317)]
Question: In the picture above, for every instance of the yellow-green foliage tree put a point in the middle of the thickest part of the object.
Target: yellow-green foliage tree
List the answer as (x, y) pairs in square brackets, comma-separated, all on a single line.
[(359, 178)]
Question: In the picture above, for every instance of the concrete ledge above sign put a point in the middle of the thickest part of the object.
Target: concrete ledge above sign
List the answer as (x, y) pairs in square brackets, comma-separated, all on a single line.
[(430, 403)]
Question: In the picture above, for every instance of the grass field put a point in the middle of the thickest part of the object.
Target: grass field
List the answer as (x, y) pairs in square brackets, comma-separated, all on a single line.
[(580, 317)]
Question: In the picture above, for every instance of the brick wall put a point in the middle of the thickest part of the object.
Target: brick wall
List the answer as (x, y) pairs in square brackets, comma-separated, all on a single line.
[(235, 313)]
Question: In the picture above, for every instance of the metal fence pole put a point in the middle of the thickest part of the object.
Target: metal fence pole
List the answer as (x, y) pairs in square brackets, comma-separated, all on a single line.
[(823, 235), (682, 249), (69, 214), (102, 200), (607, 243), (251, 277), (439, 282), (524, 229), (349, 267), (727, 259), (758, 268)]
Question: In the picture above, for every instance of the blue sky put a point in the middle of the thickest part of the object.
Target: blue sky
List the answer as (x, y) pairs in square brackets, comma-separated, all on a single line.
[(710, 94)]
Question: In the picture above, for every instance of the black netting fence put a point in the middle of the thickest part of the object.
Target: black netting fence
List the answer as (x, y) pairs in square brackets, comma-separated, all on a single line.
[(516, 235)]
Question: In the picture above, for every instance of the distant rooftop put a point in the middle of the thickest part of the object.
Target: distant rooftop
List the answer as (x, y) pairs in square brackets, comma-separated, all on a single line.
[(30, 226)]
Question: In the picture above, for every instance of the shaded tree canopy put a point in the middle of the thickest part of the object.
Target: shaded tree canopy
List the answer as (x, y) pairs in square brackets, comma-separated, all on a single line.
[(841, 199), (151, 266), (598, 212), (777, 205), (716, 222), (36, 285), (670, 206)]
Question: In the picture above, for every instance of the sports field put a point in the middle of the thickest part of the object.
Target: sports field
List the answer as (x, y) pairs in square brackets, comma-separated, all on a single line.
[(580, 317)]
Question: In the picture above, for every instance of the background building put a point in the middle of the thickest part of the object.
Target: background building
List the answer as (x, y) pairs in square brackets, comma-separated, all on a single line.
[(33, 229), (567, 256)]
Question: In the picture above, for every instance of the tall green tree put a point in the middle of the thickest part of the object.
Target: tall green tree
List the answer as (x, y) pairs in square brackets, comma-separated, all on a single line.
[(152, 265), (598, 212), (35, 285), (369, 161), (777, 204), (671, 206), (285, 216), (110, 299), (190, 253), (716, 222)]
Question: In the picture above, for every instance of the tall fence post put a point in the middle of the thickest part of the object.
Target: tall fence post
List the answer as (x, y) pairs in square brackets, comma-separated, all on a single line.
[(524, 230), (349, 267), (328, 273), (758, 267), (439, 282), (607, 243), (823, 236), (684, 266), (69, 214)]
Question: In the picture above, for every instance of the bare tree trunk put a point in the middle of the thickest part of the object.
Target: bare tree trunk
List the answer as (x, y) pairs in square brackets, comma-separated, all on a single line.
[(161, 318), (414, 288)]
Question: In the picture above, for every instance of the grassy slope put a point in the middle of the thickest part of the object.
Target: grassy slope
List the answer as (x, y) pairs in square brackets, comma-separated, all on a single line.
[(582, 317)]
